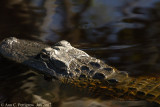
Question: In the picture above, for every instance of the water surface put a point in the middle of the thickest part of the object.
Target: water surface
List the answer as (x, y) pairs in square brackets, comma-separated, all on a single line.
[(123, 33)]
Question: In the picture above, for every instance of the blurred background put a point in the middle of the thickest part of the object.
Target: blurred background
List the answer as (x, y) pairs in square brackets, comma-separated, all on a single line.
[(123, 33)]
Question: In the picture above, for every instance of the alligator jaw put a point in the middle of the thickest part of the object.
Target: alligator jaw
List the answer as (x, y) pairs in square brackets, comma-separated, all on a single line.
[(20, 50)]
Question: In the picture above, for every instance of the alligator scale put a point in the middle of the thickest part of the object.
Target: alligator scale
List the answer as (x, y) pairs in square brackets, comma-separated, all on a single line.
[(76, 68)]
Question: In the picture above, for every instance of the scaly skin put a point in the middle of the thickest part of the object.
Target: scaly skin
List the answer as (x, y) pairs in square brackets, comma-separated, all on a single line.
[(143, 88), (76, 68)]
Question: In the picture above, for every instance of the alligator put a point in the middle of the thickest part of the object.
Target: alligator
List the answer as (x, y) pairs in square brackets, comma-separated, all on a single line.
[(74, 67)]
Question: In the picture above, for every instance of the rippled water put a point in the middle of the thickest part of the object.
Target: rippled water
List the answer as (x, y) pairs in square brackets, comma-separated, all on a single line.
[(123, 33)]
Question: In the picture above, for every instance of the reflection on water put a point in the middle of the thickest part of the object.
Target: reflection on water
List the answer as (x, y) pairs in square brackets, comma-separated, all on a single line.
[(123, 33)]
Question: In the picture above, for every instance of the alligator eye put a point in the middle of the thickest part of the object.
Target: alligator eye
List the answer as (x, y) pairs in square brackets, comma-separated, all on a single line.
[(95, 64)]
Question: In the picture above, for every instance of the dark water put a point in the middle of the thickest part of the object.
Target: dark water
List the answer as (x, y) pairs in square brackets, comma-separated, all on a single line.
[(123, 33)]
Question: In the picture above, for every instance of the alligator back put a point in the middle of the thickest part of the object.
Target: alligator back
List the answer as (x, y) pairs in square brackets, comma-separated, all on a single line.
[(142, 88)]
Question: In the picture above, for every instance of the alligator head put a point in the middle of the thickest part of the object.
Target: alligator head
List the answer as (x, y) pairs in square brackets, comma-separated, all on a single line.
[(58, 61)]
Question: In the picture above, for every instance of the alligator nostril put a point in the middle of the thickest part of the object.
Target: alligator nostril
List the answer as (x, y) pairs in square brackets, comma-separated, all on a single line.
[(99, 76), (95, 64), (84, 68)]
